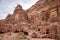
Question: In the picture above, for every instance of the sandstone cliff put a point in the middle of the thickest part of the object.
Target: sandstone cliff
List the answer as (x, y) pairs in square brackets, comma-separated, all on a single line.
[(47, 7), (43, 18)]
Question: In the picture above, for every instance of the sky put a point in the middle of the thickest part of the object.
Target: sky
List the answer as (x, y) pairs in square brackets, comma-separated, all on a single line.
[(7, 6)]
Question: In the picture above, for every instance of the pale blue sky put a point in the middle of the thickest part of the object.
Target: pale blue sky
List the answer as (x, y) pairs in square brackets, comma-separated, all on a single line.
[(7, 6)]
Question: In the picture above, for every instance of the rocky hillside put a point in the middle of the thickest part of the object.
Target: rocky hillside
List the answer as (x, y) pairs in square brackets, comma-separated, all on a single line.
[(42, 20)]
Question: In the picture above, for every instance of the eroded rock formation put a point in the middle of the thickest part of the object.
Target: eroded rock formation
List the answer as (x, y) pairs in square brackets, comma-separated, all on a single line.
[(42, 20)]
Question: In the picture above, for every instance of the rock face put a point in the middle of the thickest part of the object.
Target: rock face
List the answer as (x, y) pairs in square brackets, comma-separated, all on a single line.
[(20, 14), (47, 9), (12, 21), (42, 20)]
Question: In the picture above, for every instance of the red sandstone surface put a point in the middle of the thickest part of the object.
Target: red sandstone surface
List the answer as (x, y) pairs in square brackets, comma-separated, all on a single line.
[(40, 21)]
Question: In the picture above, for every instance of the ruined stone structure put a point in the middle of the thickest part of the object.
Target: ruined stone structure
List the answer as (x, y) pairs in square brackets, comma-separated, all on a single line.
[(42, 20)]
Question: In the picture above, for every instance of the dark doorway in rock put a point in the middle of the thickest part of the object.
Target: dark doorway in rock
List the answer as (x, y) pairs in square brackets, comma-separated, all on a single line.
[(47, 31), (1, 32), (38, 29), (25, 33)]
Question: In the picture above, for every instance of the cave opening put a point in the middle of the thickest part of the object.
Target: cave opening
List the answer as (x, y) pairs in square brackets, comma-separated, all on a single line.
[(38, 29), (47, 31), (25, 33), (1, 32)]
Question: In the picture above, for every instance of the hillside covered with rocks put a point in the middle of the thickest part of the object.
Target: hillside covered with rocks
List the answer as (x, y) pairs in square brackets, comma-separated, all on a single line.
[(42, 20)]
